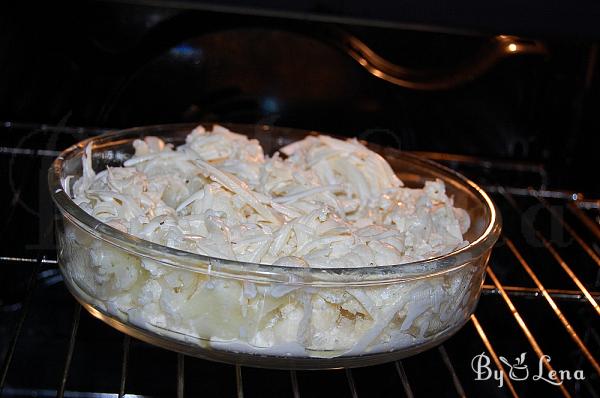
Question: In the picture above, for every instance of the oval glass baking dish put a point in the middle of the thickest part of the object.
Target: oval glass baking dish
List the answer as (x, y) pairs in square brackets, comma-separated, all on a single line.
[(215, 308)]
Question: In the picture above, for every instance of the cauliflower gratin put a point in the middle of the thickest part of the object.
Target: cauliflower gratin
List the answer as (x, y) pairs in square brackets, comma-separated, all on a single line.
[(317, 203)]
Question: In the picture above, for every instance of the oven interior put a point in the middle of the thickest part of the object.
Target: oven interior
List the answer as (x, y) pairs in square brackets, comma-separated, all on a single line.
[(522, 125)]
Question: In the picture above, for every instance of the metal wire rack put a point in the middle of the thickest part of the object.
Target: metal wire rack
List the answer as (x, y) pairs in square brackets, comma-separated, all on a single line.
[(540, 297)]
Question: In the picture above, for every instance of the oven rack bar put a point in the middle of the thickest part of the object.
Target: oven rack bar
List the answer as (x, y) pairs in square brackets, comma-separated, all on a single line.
[(575, 202), (70, 350), (351, 383), (124, 365), (554, 252), (511, 290), (576, 197), (19, 326), (550, 301), (399, 366), (488, 345), (295, 387), (405, 383), (523, 325), (460, 391)]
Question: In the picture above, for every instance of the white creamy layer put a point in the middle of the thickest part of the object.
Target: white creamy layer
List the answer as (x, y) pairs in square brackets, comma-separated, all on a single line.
[(322, 202)]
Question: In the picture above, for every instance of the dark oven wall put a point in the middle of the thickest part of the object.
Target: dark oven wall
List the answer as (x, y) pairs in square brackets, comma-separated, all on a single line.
[(117, 65)]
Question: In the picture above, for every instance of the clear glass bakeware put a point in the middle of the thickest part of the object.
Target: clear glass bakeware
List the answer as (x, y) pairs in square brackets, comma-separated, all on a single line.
[(265, 315)]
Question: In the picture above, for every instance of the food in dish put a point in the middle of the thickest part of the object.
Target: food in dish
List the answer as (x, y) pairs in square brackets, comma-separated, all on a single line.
[(320, 202)]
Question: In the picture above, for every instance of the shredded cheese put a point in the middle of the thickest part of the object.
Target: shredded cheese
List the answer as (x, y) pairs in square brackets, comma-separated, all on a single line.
[(319, 202), (315, 204)]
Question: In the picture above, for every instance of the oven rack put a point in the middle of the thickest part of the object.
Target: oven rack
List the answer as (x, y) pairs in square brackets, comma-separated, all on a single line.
[(541, 297)]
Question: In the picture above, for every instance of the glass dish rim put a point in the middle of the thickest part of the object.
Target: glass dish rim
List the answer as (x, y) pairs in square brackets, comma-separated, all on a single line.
[(175, 257)]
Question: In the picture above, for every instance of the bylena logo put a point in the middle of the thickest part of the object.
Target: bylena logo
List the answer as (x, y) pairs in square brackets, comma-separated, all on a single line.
[(519, 370)]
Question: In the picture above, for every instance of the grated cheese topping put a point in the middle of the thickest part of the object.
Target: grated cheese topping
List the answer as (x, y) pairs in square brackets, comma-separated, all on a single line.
[(318, 202)]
